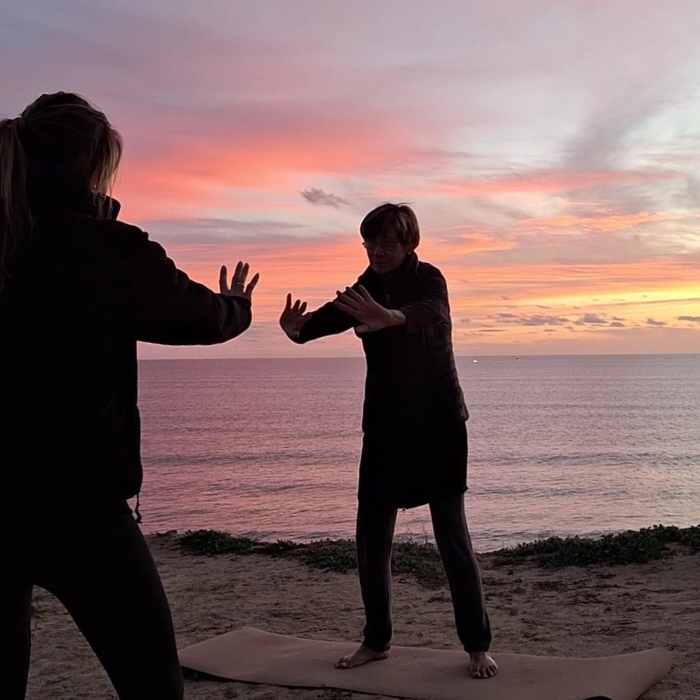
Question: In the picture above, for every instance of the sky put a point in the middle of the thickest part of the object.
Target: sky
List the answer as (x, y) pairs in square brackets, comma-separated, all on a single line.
[(550, 149)]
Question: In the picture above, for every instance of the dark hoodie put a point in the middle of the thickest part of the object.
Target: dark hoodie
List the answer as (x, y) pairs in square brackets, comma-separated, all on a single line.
[(81, 294)]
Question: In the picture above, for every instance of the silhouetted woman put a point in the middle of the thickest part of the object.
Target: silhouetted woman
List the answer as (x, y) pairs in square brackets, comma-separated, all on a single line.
[(414, 449), (77, 291)]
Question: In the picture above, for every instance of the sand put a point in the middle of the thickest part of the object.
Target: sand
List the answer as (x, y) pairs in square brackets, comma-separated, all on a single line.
[(573, 611)]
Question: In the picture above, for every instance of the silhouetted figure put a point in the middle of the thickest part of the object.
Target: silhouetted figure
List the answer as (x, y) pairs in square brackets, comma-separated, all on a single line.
[(77, 291), (414, 422)]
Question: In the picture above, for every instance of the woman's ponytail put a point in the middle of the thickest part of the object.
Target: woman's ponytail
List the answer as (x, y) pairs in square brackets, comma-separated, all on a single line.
[(15, 212), (60, 144)]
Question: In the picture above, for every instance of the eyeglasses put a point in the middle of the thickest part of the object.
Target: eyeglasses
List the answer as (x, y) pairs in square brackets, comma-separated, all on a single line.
[(386, 246)]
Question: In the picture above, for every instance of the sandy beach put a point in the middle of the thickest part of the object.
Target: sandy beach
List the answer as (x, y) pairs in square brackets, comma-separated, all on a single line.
[(592, 611)]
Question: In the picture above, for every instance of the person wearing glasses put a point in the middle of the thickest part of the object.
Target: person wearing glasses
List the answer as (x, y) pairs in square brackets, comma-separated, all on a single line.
[(414, 449)]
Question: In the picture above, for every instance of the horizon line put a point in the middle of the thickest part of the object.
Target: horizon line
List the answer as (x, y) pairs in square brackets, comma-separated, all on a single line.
[(361, 357)]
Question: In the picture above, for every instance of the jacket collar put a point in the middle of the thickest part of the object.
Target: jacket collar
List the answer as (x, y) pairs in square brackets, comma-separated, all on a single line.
[(61, 204)]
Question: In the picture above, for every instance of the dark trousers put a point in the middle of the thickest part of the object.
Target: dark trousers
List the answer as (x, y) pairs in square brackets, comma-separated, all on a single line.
[(375, 535), (103, 573)]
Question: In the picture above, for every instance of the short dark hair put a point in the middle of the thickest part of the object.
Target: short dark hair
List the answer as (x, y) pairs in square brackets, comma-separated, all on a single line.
[(400, 217)]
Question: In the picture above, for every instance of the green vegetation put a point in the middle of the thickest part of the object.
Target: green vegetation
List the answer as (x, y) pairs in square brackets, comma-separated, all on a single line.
[(629, 547), (421, 559)]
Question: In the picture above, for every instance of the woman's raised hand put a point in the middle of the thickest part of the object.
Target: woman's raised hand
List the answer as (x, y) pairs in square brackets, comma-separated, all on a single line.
[(293, 317), (238, 286)]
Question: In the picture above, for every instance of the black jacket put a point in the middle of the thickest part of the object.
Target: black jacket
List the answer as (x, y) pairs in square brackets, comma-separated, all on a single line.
[(80, 296), (412, 380)]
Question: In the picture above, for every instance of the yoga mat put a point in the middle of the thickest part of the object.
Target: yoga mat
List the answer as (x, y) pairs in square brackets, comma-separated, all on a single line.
[(255, 656)]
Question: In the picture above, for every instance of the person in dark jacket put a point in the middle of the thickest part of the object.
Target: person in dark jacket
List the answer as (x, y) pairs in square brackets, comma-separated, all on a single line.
[(78, 289), (414, 423)]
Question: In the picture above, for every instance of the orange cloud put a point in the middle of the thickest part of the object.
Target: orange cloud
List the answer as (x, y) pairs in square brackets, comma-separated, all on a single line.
[(313, 269), (468, 244), (310, 269), (602, 223), (546, 182), (601, 278)]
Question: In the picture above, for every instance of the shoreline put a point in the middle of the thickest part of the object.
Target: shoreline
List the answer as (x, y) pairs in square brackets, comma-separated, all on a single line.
[(624, 547), (691, 533), (597, 610)]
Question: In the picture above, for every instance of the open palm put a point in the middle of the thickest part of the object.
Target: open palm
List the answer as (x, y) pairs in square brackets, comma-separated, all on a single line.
[(238, 287), (293, 317)]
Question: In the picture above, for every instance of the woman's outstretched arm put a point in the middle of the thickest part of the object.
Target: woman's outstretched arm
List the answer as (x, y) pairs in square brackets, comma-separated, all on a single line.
[(302, 326), (165, 306)]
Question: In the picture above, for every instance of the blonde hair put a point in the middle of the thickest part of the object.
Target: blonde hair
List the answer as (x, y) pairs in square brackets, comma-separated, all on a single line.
[(60, 143)]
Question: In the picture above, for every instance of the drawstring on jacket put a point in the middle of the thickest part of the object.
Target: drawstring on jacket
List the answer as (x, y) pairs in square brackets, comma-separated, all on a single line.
[(137, 512)]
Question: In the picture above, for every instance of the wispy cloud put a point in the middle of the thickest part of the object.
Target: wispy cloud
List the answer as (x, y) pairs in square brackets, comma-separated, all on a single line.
[(533, 320), (319, 198)]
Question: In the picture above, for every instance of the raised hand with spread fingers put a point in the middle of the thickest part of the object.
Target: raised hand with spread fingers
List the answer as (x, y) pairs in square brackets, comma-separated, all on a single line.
[(238, 286), (293, 317)]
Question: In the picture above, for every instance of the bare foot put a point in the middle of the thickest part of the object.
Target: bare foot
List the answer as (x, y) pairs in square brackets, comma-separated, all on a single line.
[(362, 656), (482, 665)]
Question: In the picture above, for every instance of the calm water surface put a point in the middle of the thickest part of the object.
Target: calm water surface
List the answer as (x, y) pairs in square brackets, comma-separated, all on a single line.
[(558, 445)]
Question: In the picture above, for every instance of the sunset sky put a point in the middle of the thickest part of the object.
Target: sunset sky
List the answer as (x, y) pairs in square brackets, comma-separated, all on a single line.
[(550, 148)]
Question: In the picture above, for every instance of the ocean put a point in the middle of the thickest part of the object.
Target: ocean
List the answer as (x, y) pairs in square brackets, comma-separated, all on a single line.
[(558, 445)]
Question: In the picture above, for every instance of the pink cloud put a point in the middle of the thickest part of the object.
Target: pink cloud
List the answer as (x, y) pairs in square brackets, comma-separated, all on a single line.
[(603, 222), (544, 182), (198, 161)]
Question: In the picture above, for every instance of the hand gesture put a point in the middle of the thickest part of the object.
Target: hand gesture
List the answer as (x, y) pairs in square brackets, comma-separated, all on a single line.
[(238, 286), (371, 315), (293, 317)]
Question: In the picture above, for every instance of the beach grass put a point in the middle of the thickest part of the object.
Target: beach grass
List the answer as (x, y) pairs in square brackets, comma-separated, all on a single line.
[(628, 547), (420, 559)]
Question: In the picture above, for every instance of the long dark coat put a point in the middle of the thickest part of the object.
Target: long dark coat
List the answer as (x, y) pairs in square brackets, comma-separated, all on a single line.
[(415, 442), (80, 296)]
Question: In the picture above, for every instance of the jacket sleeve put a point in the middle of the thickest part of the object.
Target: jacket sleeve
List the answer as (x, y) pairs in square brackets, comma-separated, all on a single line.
[(433, 307), (168, 308), (326, 320)]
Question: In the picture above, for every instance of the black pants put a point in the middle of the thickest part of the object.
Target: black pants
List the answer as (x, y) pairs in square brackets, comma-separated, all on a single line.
[(103, 572), (375, 535)]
